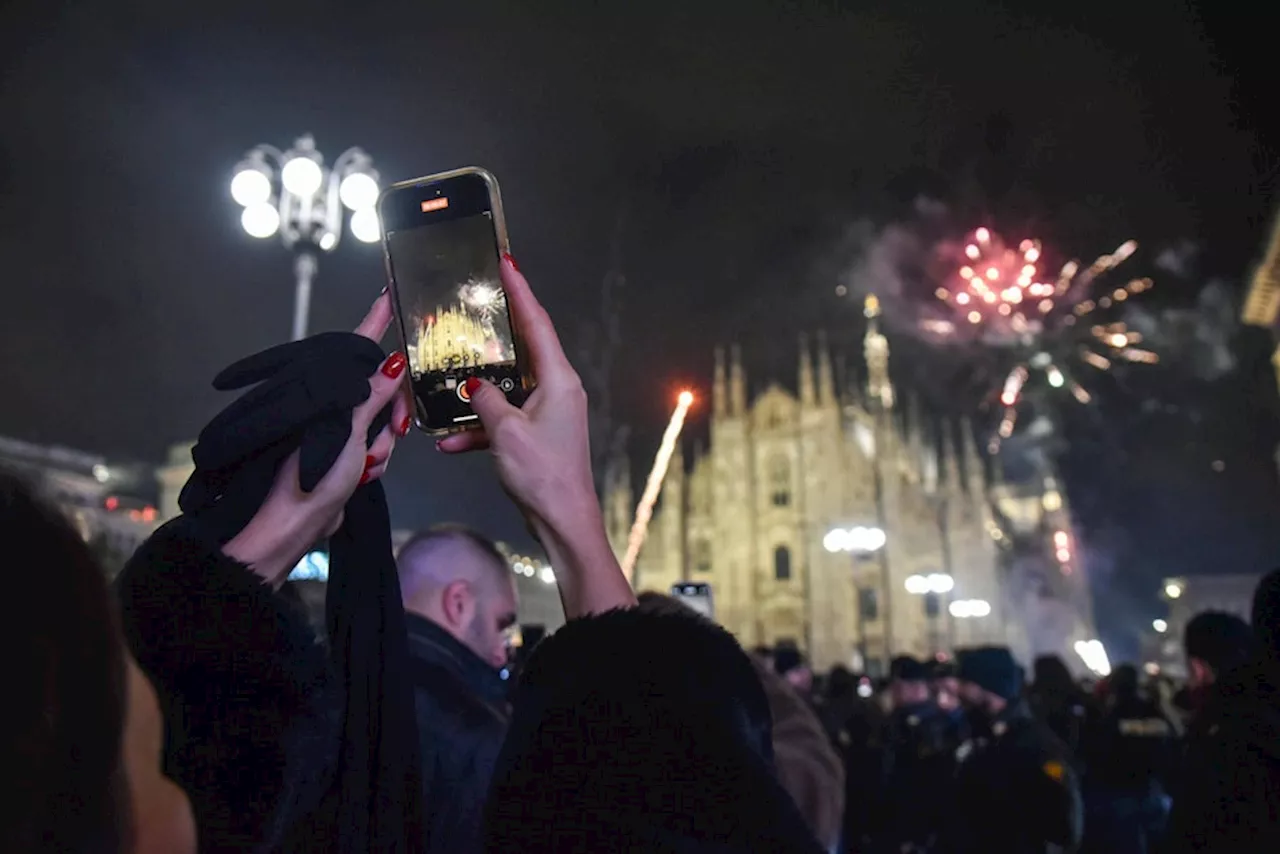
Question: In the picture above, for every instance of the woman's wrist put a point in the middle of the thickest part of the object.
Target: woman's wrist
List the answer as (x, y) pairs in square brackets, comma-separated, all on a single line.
[(586, 568), (270, 547)]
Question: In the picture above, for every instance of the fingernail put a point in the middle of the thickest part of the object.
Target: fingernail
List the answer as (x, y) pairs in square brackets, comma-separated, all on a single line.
[(473, 384), (393, 367), (364, 478), (404, 425), (510, 259), (440, 447), (369, 462)]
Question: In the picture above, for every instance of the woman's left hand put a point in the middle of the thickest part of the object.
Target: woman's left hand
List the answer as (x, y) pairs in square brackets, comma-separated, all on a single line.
[(290, 521)]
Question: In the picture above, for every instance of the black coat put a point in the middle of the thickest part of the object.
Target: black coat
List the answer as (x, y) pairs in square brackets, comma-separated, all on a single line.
[(641, 732), (462, 717), (1229, 796), (252, 714)]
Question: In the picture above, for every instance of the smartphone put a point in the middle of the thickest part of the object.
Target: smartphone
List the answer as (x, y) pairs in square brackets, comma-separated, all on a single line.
[(695, 596), (443, 237)]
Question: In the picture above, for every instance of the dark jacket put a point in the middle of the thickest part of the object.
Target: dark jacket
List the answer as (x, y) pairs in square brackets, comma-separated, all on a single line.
[(252, 715), (1016, 791), (1229, 797), (462, 719), (641, 732)]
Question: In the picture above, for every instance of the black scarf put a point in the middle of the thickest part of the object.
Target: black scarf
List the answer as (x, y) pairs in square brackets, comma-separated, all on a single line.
[(302, 398)]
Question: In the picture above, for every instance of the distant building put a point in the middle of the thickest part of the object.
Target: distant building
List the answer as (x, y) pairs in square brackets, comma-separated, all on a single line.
[(110, 503), (1185, 597), (753, 515), (1262, 303)]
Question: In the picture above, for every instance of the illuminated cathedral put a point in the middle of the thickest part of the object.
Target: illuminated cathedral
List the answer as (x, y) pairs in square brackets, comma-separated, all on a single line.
[(449, 340), (753, 515)]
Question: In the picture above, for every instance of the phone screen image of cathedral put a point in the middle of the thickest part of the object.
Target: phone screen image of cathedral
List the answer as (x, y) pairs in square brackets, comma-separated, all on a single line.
[(455, 311)]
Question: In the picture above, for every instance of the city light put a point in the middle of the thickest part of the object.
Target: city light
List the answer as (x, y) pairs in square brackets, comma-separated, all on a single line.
[(365, 226), (251, 186), (301, 176), (1094, 656), (858, 540), (358, 191), (935, 582), (260, 220), (1173, 590), (964, 609), (1160, 626), (547, 575)]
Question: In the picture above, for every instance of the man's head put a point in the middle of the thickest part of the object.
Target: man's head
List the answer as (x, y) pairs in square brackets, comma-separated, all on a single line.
[(908, 685), (1266, 615), (1215, 642), (790, 665), (457, 579), (989, 678)]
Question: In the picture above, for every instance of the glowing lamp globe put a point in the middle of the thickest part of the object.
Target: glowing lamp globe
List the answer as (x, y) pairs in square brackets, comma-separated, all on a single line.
[(358, 191), (250, 187), (365, 226), (302, 176), (260, 220)]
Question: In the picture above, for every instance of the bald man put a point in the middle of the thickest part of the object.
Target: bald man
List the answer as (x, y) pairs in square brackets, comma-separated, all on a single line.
[(460, 603)]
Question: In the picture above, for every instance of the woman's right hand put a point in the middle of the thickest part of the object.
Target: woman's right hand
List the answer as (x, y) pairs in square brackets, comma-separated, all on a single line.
[(543, 458)]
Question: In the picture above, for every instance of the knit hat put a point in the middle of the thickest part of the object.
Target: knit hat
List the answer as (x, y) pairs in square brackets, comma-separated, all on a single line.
[(992, 669)]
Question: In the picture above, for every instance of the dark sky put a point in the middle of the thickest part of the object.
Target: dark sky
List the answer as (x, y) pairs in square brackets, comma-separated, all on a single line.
[(736, 142)]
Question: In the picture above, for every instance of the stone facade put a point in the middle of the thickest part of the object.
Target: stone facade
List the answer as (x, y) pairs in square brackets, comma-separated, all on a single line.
[(750, 514)]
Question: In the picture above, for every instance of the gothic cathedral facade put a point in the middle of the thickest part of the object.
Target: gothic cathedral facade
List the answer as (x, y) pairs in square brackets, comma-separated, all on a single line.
[(751, 517)]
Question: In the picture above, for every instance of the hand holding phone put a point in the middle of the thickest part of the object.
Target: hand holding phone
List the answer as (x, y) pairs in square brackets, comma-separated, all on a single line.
[(443, 238)]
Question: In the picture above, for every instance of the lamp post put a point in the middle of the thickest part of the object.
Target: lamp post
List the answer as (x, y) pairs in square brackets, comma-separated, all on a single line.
[(860, 543), (295, 194)]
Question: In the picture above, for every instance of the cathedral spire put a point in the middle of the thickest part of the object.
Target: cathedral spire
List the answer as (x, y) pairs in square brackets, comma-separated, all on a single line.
[(915, 434), (719, 393), (876, 348), (808, 397), (826, 377), (737, 382)]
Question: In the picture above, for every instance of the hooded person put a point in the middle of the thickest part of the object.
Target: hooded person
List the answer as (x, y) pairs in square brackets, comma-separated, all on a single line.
[(1229, 797), (641, 730)]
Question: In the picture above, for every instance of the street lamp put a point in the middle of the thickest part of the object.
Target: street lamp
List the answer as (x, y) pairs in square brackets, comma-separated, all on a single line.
[(965, 609), (934, 586), (294, 193), (1160, 626)]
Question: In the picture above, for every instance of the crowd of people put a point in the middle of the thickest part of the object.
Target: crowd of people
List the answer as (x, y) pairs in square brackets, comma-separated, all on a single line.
[(194, 705)]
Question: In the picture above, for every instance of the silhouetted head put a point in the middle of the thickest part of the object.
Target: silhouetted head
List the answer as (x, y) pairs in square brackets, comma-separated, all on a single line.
[(1215, 643), (1052, 676), (1266, 615)]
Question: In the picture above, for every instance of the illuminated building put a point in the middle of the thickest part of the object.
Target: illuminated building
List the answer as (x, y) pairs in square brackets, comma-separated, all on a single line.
[(109, 503), (451, 339), (1262, 303), (751, 513)]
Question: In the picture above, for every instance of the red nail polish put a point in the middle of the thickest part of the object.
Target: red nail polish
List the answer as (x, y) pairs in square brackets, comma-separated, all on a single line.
[(404, 425), (369, 462), (473, 383), (364, 478), (393, 367), (512, 261)]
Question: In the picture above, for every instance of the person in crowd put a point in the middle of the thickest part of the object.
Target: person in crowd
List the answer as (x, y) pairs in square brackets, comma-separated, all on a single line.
[(1059, 702), (1016, 789), (460, 598), (1229, 797), (1216, 644), (80, 731), (918, 763), (808, 767), (789, 663), (1129, 751)]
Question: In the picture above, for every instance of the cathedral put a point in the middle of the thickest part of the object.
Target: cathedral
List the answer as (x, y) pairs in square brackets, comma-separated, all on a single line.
[(752, 516)]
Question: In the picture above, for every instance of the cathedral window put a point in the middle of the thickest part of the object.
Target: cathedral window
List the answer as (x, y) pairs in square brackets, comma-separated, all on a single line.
[(782, 563), (701, 556), (932, 605), (868, 604), (780, 482)]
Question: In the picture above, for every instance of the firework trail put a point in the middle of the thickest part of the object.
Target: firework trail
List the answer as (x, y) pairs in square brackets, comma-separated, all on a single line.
[(1045, 322), (653, 486)]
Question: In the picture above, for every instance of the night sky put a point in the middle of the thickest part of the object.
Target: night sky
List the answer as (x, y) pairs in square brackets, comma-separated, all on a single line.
[(718, 158)]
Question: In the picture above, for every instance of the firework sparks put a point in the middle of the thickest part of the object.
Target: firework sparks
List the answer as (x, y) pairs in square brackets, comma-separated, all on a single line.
[(653, 486), (481, 296), (1045, 323)]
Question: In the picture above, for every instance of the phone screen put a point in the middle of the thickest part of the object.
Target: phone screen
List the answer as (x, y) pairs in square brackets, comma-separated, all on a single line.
[(697, 597), (443, 253)]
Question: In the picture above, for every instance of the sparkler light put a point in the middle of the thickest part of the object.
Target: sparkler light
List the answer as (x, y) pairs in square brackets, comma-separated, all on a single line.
[(1011, 305), (653, 486)]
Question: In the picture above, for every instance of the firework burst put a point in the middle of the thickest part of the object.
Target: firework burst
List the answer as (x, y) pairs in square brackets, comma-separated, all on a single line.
[(1050, 326)]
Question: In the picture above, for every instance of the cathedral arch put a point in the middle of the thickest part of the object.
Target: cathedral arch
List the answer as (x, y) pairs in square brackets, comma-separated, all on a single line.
[(779, 480)]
